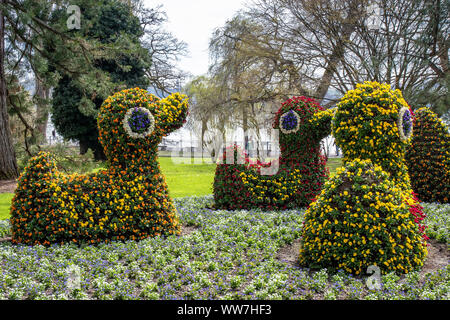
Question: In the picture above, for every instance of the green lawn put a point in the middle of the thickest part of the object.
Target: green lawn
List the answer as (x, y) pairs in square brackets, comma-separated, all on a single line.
[(184, 179), (333, 164), (5, 201)]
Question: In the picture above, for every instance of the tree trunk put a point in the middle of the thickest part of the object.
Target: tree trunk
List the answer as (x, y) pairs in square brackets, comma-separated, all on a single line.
[(96, 148), (204, 128), (99, 154), (83, 147), (333, 60), (258, 144), (336, 55), (443, 56), (8, 163), (245, 125), (42, 94), (224, 140)]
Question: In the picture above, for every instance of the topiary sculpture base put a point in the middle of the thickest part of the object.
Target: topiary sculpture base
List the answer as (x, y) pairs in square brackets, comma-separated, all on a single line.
[(361, 219)]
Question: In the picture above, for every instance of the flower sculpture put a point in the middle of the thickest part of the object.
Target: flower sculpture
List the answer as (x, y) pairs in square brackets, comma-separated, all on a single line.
[(367, 213), (128, 200), (428, 158), (238, 182)]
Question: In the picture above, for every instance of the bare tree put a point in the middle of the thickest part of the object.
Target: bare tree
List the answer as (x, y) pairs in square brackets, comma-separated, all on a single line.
[(209, 113), (164, 49), (409, 50), (296, 46), (317, 47)]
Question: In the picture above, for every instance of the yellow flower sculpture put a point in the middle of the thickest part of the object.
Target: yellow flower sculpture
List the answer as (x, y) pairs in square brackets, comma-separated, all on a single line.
[(367, 214)]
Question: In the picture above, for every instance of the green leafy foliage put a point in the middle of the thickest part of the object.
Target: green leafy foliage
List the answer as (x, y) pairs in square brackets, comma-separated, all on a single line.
[(438, 221), (67, 157), (428, 158), (75, 103)]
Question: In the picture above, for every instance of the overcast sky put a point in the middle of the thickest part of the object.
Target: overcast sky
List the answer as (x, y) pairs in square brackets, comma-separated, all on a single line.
[(193, 21)]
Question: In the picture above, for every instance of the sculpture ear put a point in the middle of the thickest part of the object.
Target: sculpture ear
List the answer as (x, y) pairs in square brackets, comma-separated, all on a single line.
[(321, 122), (172, 112)]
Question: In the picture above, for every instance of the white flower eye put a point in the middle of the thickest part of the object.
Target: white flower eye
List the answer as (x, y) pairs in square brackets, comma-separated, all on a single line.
[(405, 124), (139, 122), (289, 122)]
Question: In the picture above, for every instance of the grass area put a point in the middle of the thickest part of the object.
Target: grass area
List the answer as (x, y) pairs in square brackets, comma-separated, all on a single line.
[(5, 203), (184, 178), (333, 164)]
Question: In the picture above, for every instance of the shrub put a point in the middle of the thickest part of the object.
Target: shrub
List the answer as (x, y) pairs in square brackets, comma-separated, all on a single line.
[(428, 158), (361, 218), (228, 187), (240, 184), (129, 200)]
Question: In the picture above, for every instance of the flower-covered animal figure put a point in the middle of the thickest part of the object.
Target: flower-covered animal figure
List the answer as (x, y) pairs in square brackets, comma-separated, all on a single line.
[(367, 214), (239, 182), (128, 200)]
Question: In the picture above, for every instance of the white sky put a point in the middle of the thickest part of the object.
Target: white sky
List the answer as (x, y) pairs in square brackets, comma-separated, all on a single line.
[(193, 22)]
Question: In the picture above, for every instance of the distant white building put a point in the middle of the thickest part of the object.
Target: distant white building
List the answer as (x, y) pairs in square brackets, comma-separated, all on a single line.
[(52, 136)]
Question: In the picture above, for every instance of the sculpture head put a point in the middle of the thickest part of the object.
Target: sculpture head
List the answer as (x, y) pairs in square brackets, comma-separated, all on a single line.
[(374, 122), (132, 123), (302, 123)]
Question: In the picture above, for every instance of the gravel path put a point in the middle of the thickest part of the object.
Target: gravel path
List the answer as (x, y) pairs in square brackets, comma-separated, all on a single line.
[(8, 186)]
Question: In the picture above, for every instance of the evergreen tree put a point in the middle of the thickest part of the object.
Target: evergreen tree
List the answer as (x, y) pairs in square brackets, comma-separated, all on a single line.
[(34, 36), (74, 109)]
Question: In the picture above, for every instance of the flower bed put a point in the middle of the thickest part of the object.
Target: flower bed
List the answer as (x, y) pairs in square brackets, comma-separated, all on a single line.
[(230, 255)]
